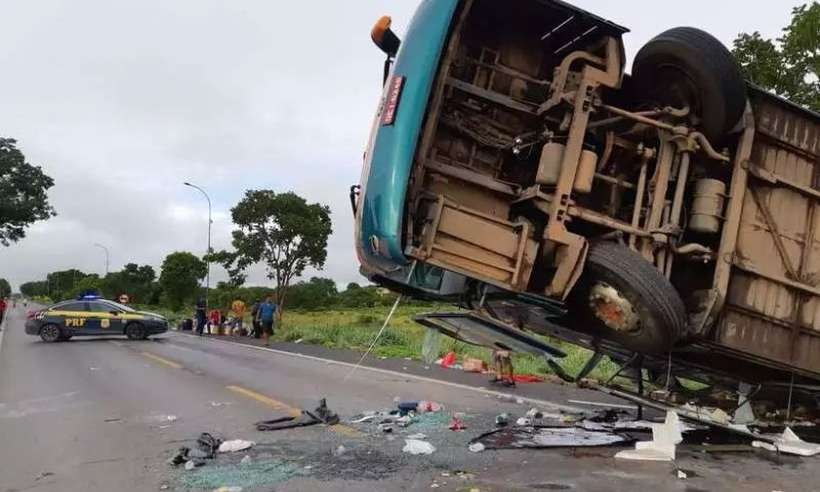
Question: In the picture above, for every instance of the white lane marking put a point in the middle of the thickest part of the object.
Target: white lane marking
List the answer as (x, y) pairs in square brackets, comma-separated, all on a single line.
[(507, 396), (47, 404)]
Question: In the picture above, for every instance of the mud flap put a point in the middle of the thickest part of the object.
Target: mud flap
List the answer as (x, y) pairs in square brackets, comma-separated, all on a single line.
[(477, 329)]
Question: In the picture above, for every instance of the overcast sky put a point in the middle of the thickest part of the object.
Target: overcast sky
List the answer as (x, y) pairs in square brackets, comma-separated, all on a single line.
[(120, 102)]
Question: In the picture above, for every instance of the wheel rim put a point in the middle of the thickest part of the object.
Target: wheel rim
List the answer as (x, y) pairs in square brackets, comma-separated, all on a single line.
[(135, 331), (51, 333), (613, 309)]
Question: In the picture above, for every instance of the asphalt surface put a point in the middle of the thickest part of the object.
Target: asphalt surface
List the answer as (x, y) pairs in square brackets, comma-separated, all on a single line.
[(107, 414)]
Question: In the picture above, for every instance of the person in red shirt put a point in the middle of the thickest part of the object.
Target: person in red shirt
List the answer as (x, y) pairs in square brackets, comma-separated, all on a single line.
[(215, 321), (2, 308)]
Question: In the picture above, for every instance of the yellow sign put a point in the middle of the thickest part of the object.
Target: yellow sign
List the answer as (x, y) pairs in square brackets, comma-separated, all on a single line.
[(75, 322)]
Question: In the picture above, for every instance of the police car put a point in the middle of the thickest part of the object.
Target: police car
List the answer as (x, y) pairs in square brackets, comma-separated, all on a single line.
[(93, 316)]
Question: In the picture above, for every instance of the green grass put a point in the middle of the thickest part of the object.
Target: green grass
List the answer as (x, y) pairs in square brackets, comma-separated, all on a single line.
[(356, 328)]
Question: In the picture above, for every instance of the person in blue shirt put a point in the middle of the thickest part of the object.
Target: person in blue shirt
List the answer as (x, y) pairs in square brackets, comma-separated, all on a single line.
[(266, 316)]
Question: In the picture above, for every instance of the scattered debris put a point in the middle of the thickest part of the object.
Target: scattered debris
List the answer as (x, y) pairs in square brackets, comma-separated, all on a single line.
[(340, 450), (448, 360), (245, 459), (428, 406), (534, 413), (502, 420), (476, 447), (417, 436), (474, 365), (417, 446), (386, 428), (322, 414), (113, 420), (519, 401), (523, 421), (299, 340), (221, 403), (93, 368), (547, 437), (682, 475), (457, 424), (404, 421), (406, 407), (665, 437), (206, 447), (527, 378), (235, 445), (789, 443), (170, 418), (44, 474), (229, 489)]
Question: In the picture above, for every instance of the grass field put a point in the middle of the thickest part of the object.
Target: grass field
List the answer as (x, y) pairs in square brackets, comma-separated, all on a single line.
[(356, 328)]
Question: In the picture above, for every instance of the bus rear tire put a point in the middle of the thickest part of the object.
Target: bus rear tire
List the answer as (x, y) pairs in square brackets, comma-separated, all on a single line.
[(624, 298)]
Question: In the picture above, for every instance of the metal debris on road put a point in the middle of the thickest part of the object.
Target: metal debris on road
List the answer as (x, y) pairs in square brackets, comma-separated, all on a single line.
[(535, 437), (476, 447), (417, 446), (322, 414)]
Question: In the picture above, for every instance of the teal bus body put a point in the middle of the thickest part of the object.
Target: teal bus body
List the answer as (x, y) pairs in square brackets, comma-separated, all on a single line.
[(393, 147)]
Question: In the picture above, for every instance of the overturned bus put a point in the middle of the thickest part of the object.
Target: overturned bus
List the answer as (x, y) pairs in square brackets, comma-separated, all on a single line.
[(664, 217)]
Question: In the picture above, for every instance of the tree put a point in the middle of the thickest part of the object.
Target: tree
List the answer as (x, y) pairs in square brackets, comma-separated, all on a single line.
[(180, 277), (23, 198), (318, 293), (34, 288), (281, 230), (5, 288), (134, 280), (61, 284), (790, 65)]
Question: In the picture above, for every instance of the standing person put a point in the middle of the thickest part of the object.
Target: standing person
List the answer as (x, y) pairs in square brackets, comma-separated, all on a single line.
[(502, 359), (238, 308), (257, 329), (200, 316), (266, 315), (2, 308), (214, 321)]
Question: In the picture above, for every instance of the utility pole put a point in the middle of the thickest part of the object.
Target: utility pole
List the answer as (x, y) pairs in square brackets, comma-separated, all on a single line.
[(208, 253)]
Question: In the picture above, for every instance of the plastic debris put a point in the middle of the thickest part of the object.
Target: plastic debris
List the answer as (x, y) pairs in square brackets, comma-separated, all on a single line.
[(448, 360), (789, 443), (406, 407), (519, 401), (476, 447), (534, 413), (404, 421), (428, 406), (682, 475), (665, 438), (457, 424), (235, 445), (417, 446), (523, 421)]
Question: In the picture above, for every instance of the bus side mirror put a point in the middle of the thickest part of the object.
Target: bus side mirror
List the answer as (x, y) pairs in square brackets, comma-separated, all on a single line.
[(384, 38)]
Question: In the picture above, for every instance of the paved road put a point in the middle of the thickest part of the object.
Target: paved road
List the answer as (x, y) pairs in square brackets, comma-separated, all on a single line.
[(97, 414)]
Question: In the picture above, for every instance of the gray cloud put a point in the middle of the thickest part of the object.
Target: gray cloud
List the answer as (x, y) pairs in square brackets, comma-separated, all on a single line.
[(123, 101)]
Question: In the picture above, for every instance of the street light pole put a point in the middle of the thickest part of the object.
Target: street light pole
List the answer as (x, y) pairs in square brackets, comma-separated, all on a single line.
[(106, 256), (207, 259)]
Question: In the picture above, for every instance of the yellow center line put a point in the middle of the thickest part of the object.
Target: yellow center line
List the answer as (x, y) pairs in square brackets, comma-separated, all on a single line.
[(275, 404), (162, 360), (292, 411)]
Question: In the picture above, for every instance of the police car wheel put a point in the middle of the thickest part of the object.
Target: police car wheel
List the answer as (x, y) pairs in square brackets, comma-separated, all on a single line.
[(51, 333), (135, 331)]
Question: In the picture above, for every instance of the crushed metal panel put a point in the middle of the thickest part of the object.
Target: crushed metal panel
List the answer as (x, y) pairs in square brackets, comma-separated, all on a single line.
[(773, 307)]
